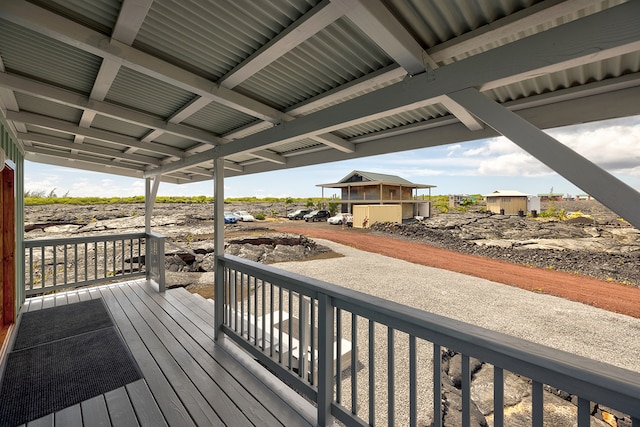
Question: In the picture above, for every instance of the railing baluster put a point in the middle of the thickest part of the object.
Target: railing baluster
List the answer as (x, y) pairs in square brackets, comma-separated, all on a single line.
[(271, 340), (280, 325), (43, 269), (95, 260), (312, 341), (290, 330), (390, 378), (537, 404), (234, 296), (31, 268), (86, 261), (242, 276), (264, 313), (55, 264), (325, 360), (303, 319), (372, 374), (64, 258), (75, 263), (437, 385), (338, 355), (413, 383), (123, 257), (354, 364), (106, 259), (584, 417), (140, 255), (466, 392), (498, 397), (255, 311)]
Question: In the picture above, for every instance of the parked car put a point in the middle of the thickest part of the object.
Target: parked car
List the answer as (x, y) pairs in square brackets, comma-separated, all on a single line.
[(299, 214), (244, 216), (317, 215), (230, 218), (338, 219)]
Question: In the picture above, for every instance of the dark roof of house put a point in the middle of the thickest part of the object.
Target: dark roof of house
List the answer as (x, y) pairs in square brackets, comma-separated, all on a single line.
[(358, 178)]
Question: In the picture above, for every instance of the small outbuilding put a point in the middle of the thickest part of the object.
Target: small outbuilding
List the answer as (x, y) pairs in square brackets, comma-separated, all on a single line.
[(507, 202)]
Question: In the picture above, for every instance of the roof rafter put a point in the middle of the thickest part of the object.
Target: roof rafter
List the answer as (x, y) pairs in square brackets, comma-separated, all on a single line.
[(76, 100), (64, 143), (101, 135)]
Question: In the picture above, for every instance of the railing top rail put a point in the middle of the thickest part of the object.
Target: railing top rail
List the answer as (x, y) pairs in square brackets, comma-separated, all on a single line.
[(591, 379), (35, 243)]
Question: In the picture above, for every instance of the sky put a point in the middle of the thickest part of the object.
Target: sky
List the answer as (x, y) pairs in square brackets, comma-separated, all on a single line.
[(475, 167)]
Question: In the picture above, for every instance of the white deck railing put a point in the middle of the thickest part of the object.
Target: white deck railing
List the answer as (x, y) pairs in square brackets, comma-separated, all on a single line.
[(394, 352), (54, 264)]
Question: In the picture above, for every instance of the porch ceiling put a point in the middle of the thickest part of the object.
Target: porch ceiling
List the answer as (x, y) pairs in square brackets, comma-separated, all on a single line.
[(142, 87)]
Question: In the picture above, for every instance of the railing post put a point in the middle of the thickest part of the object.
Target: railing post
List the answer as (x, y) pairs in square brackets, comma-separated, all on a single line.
[(154, 260), (218, 244), (325, 359)]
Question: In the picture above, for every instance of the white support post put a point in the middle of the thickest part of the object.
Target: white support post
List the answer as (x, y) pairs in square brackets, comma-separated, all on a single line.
[(149, 201), (218, 243), (606, 188)]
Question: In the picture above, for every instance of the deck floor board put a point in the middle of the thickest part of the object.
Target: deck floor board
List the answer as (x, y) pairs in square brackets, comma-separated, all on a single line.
[(188, 378)]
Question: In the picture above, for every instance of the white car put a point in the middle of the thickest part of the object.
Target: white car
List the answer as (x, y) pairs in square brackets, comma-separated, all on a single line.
[(244, 216), (337, 219)]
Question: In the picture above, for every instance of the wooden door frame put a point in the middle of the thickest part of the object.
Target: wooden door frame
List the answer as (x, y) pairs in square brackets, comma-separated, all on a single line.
[(7, 250)]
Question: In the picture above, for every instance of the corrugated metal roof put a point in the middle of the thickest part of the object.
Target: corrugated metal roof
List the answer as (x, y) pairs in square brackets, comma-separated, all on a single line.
[(211, 37), (100, 15), (307, 67), (134, 90), (338, 54), (49, 60), (46, 108), (218, 118)]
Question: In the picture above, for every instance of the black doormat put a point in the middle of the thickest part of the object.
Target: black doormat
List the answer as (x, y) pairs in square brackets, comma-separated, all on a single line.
[(46, 378), (50, 324)]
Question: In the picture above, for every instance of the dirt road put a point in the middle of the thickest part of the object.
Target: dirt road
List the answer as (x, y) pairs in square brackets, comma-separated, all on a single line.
[(606, 295)]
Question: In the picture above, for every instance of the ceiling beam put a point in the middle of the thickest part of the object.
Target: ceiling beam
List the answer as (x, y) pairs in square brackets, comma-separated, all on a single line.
[(336, 142), (64, 143), (76, 100), (270, 156), (98, 134), (606, 188), (375, 20), (540, 110), (505, 28)]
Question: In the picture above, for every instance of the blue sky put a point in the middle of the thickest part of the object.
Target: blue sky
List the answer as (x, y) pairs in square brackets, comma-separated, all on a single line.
[(468, 168)]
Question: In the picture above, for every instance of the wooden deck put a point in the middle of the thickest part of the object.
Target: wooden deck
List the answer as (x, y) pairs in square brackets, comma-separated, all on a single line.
[(189, 379)]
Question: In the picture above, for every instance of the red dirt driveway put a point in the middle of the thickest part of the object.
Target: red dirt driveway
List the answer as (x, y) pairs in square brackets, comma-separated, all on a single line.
[(610, 296)]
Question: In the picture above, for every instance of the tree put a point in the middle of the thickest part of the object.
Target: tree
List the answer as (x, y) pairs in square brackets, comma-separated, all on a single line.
[(287, 201)]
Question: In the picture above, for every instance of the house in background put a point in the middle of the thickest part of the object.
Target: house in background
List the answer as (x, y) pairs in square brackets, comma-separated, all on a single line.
[(507, 202), (368, 188), (548, 197)]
